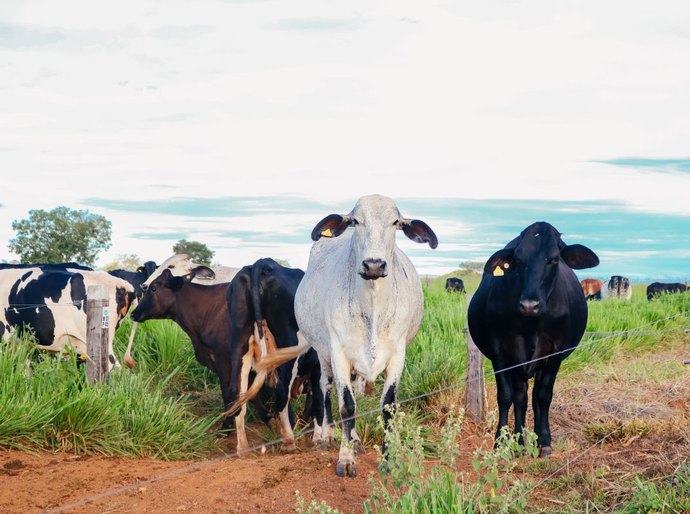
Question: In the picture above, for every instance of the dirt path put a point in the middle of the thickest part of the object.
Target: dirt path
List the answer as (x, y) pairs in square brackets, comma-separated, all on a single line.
[(39, 483)]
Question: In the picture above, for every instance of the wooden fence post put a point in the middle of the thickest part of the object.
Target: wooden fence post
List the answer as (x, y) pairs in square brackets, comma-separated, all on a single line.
[(475, 392), (97, 331)]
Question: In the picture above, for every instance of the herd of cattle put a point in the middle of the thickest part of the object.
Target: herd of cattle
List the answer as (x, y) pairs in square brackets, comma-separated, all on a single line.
[(340, 324)]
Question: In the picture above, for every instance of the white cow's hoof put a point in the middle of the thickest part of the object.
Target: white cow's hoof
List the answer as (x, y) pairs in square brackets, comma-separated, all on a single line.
[(348, 468), (288, 446)]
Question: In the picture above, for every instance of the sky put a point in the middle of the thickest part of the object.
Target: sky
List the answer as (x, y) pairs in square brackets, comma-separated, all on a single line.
[(242, 123)]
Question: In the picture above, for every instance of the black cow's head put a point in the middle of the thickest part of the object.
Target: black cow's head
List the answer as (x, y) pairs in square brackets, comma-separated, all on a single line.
[(533, 259), (160, 297)]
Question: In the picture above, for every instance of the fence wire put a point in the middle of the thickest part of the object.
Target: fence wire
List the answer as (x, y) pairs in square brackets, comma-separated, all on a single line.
[(267, 444)]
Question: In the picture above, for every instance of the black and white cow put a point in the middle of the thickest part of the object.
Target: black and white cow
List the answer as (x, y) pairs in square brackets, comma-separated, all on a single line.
[(617, 287), (455, 285), (263, 295), (136, 278), (529, 305), (50, 300), (659, 288)]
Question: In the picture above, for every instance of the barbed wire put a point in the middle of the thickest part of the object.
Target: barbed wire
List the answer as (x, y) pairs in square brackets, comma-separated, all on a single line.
[(267, 444), (25, 306)]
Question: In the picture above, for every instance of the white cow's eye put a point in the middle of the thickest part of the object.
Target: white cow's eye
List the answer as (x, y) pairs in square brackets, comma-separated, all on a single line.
[(355, 222)]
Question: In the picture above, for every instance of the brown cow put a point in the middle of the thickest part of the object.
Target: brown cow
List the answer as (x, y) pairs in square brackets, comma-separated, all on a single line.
[(591, 287)]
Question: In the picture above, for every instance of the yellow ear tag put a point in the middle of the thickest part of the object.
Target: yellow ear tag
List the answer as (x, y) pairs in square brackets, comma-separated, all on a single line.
[(327, 232), (498, 272)]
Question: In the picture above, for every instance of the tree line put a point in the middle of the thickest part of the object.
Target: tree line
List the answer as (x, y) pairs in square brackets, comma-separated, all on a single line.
[(68, 235)]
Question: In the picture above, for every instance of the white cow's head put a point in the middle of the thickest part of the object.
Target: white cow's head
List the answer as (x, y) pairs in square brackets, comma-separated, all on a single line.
[(375, 220), (181, 265)]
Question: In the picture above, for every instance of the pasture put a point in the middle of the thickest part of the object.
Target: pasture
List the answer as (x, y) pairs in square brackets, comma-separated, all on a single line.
[(148, 439)]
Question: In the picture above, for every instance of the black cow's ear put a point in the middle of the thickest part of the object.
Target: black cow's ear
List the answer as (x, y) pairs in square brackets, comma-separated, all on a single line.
[(419, 232), (579, 257), (331, 226), (500, 263), (176, 283)]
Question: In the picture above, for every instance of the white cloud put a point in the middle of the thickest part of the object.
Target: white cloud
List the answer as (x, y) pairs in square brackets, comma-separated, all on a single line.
[(332, 100)]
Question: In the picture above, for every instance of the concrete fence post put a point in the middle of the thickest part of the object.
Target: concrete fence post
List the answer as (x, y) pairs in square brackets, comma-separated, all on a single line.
[(97, 330)]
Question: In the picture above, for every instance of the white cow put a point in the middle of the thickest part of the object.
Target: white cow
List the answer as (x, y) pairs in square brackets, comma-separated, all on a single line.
[(180, 265), (359, 305)]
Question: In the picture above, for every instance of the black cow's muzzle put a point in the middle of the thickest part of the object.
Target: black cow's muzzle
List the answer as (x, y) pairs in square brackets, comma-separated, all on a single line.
[(372, 269), (530, 307)]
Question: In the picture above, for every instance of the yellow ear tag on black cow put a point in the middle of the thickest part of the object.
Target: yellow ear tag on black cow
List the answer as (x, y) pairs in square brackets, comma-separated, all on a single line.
[(498, 272), (327, 232)]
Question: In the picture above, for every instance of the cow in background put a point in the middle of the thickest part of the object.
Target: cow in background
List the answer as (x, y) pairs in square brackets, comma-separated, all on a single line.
[(455, 285), (617, 287), (591, 287), (50, 299), (260, 300), (658, 288), (527, 316)]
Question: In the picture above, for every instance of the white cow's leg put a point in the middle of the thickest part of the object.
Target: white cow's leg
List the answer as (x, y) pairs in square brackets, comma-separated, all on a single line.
[(347, 407), (242, 442), (326, 384), (390, 390)]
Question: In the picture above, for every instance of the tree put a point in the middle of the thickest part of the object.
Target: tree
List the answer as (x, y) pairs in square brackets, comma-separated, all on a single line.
[(60, 235), (129, 262), (199, 252)]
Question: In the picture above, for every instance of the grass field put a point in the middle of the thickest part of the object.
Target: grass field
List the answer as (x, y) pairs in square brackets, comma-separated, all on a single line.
[(168, 407)]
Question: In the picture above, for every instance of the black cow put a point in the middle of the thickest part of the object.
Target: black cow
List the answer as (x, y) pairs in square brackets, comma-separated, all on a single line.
[(658, 288), (136, 278), (50, 300), (265, 293), (529, 306), (454, 284)]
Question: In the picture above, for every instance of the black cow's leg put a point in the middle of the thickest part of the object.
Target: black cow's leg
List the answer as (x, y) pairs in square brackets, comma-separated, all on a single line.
[(541, 402), (504, 397), (519, 403)]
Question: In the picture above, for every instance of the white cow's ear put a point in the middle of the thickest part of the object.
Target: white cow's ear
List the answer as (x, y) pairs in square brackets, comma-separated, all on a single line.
[(419, 232), (331, 226)]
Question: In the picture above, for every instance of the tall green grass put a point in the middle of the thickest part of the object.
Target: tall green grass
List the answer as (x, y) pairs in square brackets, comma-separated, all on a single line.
[(167, 405), (46, 403)]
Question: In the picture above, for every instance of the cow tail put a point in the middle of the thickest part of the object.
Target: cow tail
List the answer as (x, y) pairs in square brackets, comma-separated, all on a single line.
[(256, 303), (265, 366)]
